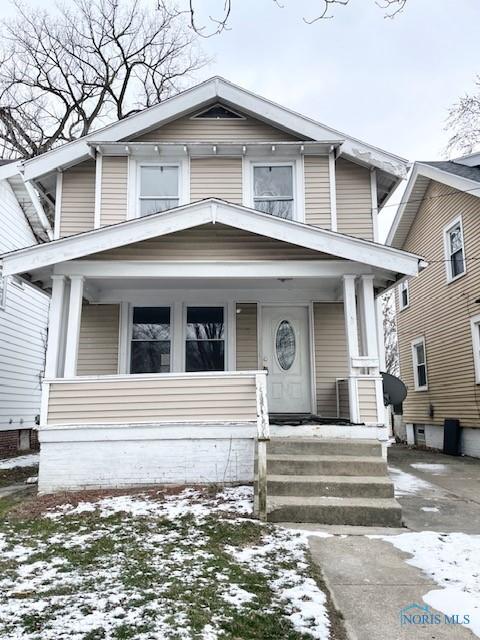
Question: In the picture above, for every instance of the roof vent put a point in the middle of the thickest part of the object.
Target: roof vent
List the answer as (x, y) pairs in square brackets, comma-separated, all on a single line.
[(218, 112)]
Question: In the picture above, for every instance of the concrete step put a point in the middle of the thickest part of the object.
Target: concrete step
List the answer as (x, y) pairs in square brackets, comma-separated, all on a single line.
[(340, 511), (330, 486), (310, 465), (334, 447)]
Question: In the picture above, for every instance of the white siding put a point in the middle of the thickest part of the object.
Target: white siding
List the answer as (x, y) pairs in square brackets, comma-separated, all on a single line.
[(23, 327)]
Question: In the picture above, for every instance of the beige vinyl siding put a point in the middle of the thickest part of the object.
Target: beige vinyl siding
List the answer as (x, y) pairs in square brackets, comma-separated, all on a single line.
[(317, 191), (367, 401), (98, 342), (113, 207), (78, 199), (330, 354), (216, 178), (210, 242), (441, 312), (186, 129), (343, 400), (354, 200), (153, 400), (246, 337)]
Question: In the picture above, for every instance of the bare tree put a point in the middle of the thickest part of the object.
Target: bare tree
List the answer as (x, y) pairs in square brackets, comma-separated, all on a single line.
[(321, 10), (65, 71), (392, 364), (464, 122)]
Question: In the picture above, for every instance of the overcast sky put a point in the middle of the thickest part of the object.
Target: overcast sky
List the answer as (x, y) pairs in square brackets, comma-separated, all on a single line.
[(387, 82)]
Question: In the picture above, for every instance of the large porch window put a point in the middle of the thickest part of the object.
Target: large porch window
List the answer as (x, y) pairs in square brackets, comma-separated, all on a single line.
[(151, 339), (205, 339)]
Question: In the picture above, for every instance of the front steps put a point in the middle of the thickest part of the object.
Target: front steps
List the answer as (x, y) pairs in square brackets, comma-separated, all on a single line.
[(336, 482)]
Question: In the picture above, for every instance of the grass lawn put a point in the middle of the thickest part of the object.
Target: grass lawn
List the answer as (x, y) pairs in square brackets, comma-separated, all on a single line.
[(153, 565)]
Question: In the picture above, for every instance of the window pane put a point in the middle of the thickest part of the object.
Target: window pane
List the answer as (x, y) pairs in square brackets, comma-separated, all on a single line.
[(154, 206), (458, 266), (420, 351), (159, 181), (204, 355), (151, 323), (150, 357), (205, 323), (404, 297), (273, 181), (285, 345), (422, 375), (279, 208), (455, 239)]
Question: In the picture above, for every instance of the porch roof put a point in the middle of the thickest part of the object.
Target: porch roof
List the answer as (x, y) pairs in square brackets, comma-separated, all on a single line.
[(211, 210)]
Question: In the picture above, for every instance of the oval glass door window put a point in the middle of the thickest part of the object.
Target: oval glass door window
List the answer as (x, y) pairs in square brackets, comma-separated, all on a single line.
[(285, 344)]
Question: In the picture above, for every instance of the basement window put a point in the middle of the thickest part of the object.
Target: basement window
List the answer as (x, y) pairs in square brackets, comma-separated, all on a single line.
[(419, 359)]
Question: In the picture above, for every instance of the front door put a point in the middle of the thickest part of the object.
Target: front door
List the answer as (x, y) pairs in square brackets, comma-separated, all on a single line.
[(286, 355)]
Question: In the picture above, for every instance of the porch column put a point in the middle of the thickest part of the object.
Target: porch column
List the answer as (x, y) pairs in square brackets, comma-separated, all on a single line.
[(73, 326), (369, 320), (55, 326), (351, 331)]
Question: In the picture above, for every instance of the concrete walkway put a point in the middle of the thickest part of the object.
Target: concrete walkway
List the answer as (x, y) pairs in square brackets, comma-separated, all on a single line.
[(369, 579), (13, 489)]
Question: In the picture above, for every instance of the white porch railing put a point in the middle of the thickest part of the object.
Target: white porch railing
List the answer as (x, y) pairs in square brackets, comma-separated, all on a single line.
[(360, 399)]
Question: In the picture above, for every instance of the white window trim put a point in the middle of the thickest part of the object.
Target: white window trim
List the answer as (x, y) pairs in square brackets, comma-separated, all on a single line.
[(298, 212), (134, 166), (446, 245), (3, 292), (414, 343), (475, 329), (402, 287), (128, 358)]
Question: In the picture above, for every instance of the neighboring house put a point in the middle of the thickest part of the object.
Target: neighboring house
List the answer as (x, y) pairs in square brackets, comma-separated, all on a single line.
[(23, 317), (199, 244), (438, 313)]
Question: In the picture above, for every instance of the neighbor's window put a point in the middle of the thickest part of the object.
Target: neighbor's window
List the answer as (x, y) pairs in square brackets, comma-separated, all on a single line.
[(151, 339), (273, 190), (403, 295), (3, 292), (454, 250), (205, 342), (158, 188), (475, 326), (419, 364)]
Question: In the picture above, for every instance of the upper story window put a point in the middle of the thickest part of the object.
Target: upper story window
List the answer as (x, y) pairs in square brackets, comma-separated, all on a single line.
[(159, 188), (3, 292), (218, 112), (475, 327), (419, 358), (403, 295), (273, 189), (454, 250)]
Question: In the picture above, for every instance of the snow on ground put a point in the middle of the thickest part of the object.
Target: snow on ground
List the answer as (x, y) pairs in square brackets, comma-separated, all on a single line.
[(434, 469), (29, 460), (408, 484), (431, 509), (453, 562), (191, 565)]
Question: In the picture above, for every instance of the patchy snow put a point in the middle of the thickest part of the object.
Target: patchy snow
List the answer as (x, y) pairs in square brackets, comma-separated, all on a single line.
[(128, 560), (408, 484), (431, 509), (30, 460), (434, 469), (453, 562)]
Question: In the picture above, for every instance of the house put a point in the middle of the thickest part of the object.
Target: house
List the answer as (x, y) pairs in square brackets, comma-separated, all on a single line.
[(200, 245), (23, 316), (438, 313)]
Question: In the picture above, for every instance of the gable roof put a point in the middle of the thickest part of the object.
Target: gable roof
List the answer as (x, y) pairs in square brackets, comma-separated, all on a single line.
[(202, 95), (458, 176), (213, 211)]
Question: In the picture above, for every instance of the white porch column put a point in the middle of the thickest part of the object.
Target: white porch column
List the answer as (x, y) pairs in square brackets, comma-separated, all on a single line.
[(73, 326), (380, 335), (351, 330), (369, 320), (55, 317)]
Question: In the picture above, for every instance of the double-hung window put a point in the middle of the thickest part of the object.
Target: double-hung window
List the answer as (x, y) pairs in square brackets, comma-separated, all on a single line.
[(273, 190), (3, 291), (403, 295), (419, 364), (475, 326), (454, 250), (159, 188), (151, 340), (205, 339)]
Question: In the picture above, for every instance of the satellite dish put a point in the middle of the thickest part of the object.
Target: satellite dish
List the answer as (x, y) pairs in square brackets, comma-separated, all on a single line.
[(394, 390)]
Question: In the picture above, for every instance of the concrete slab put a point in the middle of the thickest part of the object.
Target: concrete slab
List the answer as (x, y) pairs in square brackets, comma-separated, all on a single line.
[(370, 584), (12, 489)]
